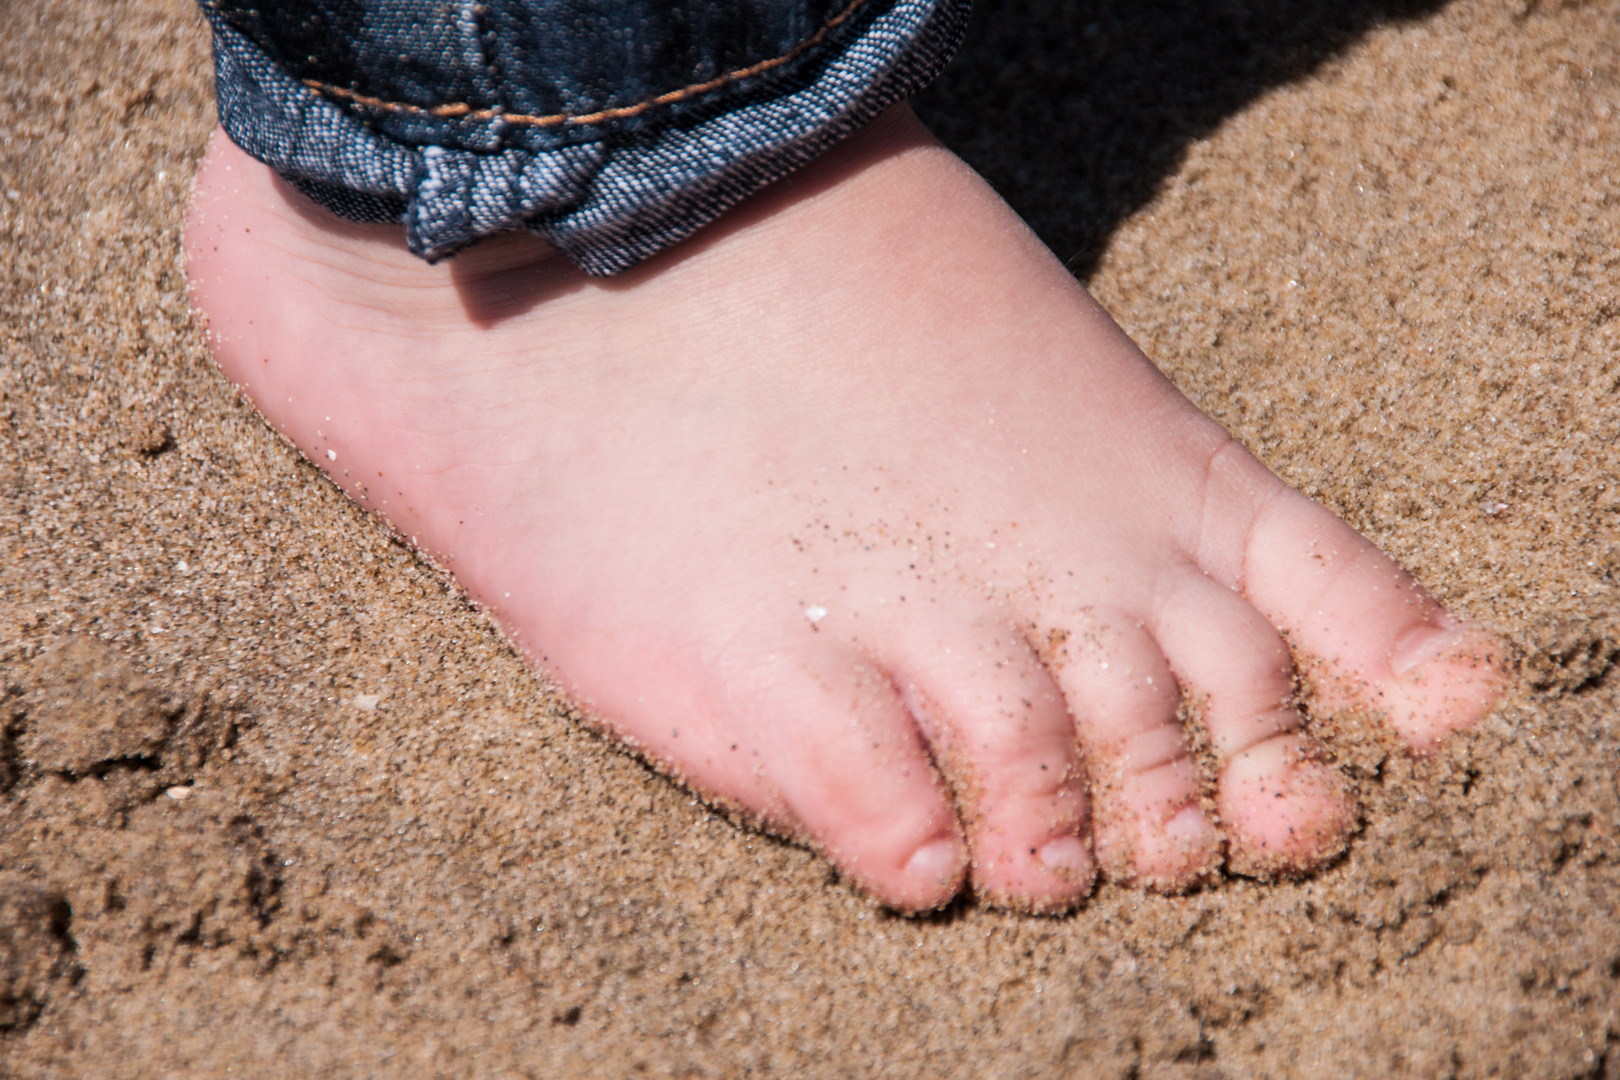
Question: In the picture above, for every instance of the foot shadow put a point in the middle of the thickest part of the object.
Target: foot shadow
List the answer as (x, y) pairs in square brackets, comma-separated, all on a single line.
[(1076, 110)]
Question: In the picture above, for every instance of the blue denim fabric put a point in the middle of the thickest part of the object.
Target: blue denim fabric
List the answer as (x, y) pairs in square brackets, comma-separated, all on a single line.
[(612, 128)]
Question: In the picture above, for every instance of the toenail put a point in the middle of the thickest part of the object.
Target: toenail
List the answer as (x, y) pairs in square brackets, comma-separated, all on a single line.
[(1189, 828), (1426, 643), (1066, 855), (937, 860)]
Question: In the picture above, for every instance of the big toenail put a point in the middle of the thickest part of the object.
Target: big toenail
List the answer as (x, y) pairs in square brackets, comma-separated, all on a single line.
[(937, 860), (1426, 643), (1066, 855)]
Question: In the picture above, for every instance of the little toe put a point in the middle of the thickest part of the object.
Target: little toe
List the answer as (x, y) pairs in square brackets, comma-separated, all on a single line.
[(1002, 735), (1385, 643), (847, 763), (1149, 826), (1282, 807)]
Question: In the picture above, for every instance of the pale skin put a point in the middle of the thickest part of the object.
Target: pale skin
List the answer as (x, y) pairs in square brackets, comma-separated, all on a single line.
[(856, 513)]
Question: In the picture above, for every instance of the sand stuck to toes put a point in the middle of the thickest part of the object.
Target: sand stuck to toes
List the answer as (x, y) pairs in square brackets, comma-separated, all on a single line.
[(274, 802)]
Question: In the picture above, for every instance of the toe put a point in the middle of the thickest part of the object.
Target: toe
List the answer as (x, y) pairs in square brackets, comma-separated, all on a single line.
[(1383, 640), (1149, 825), (1001, 734), (843, 761), (1282, 807), (1370, 636)]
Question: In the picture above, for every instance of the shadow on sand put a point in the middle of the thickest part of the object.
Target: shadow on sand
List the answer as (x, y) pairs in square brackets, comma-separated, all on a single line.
[(1076, 110)]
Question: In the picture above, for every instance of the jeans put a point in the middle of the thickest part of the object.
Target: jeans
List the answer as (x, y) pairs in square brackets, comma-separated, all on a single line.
[(611, 128)]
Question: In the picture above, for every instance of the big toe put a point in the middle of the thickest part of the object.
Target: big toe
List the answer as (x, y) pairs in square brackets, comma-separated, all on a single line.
[(1444, 674), (1380, 640)]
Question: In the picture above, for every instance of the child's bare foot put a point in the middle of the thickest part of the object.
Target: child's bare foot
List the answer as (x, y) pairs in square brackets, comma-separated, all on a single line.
[(852, 511)]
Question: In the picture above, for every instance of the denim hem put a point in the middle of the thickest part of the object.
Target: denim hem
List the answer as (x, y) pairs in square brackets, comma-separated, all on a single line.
[(608, 190), (601, 112)]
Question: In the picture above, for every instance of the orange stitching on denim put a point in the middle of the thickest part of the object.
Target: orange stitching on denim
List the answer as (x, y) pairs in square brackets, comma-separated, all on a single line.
[(461, 109)]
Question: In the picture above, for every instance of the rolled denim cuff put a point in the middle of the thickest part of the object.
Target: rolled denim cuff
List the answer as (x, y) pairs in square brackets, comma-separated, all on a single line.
[(608, 187)]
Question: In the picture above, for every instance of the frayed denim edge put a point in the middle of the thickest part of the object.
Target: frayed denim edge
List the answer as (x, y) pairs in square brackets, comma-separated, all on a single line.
[(606, 208), (648, 197)]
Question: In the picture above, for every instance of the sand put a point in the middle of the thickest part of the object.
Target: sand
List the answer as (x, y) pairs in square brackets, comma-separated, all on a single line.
[(274, 801)]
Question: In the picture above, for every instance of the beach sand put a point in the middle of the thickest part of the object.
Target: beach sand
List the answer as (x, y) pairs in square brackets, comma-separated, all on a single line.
[(274, 801)]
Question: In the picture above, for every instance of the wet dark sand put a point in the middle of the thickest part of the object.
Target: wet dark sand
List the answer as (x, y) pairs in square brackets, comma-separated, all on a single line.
[(1376, 243)]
